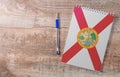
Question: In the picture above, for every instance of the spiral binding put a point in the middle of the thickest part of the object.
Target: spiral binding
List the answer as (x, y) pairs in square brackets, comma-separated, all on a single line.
[(94, 10)]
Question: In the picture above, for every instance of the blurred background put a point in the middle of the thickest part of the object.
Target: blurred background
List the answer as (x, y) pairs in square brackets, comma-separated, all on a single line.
[(28, 36)]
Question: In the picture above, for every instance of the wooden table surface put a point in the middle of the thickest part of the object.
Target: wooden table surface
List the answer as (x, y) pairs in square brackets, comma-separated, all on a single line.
[(27, 38)]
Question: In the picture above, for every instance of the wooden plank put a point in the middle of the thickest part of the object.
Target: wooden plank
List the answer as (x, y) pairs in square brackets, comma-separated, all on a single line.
[(31, 40), (41, 13)]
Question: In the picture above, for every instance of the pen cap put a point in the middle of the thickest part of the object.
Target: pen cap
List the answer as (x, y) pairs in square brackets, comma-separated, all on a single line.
[(57, 23), (57, 20)]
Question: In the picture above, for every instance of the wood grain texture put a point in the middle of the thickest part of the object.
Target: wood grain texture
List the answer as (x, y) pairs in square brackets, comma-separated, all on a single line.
[(27, 38)]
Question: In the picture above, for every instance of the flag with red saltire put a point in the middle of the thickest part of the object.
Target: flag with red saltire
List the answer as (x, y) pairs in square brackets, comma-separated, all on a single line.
[(87, 38)]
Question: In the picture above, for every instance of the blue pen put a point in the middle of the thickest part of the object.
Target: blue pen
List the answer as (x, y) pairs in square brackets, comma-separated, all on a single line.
[(58, 35)]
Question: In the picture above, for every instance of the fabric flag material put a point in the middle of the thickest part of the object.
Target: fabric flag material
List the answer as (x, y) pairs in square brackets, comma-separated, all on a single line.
[(87, 38)]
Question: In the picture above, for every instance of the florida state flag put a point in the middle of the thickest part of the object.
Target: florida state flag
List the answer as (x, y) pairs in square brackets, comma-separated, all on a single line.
[(87, 38)]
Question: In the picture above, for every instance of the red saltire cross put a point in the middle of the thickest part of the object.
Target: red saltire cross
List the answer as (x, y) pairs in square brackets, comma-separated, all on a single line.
[(92, 51)]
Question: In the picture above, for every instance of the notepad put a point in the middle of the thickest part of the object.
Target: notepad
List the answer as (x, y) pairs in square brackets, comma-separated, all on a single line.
[(87, 38)]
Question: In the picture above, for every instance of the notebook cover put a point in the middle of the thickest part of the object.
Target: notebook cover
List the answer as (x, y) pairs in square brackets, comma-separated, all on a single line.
[(87, 38)]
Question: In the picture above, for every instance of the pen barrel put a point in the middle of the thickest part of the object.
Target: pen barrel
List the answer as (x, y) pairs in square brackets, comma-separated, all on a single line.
[(58, 41), (57, 37)]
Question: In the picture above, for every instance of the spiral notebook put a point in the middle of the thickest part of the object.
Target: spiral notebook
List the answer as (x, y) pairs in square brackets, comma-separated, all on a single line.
[(87, 38)]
